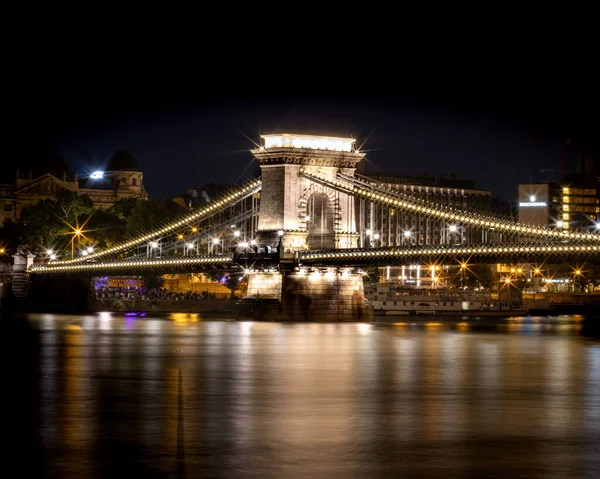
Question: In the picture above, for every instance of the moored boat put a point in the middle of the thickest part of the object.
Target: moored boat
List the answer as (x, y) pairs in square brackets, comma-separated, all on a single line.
[(390, 299)]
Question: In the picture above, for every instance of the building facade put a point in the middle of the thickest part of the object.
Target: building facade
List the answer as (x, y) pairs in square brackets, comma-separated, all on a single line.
[(573, 205), (123, 178), (384, 226), (540, 204)]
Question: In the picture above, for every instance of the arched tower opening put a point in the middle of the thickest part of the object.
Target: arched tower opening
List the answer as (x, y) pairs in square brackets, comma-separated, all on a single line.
[(320, 222)]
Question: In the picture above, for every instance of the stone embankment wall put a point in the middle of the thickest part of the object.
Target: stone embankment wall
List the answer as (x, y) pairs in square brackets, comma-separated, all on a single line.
[(220, 306)]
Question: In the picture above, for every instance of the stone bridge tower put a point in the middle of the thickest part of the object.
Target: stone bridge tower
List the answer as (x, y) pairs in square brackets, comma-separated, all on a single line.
[(306, 214)]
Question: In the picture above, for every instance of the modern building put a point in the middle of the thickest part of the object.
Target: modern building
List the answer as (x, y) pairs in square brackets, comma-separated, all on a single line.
[(572, 205), (540, 204), (123, 178)]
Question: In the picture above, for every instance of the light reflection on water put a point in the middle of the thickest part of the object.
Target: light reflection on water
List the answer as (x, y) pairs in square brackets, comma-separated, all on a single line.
[(184, 396)]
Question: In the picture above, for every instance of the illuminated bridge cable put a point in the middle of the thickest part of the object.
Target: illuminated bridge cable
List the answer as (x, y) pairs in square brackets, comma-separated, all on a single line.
[(111, 266), (218, 205), (482, 221)]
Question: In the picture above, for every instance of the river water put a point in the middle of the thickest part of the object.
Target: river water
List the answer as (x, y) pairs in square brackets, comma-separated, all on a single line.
[(184, 396)]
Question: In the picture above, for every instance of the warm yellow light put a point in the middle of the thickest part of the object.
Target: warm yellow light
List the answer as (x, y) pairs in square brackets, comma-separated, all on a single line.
[(1, 250), (577, 271), (180, 237), (463, 265), (194, 229), (287, 140), (536, 271), (77, 232)]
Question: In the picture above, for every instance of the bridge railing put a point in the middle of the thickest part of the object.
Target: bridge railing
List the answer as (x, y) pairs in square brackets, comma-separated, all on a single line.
[(458, 253), (112, 266)]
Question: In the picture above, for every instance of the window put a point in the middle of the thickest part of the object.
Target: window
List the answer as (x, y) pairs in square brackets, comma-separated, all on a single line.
[(122, 181), (133, 181)]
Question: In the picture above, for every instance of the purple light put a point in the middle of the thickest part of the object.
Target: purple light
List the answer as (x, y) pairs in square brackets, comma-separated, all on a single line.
[(131, 314)]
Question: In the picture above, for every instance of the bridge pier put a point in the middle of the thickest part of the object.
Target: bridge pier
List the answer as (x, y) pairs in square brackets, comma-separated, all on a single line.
[(314, 296)]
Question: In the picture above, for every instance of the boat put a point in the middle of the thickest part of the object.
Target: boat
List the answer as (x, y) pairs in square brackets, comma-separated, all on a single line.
[(390, 299)]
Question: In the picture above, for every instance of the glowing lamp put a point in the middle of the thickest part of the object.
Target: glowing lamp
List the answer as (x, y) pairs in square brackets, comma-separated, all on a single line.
[(97, 175)]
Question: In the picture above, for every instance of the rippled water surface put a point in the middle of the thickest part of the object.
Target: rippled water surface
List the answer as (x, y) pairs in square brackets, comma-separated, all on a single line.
[(113, 396)]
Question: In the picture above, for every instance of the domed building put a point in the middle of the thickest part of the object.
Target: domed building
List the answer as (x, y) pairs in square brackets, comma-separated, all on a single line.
[(123, 178), (125, 174)]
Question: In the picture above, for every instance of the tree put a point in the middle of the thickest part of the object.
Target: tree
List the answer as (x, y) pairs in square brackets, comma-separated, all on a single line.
[(39, 226), (123, 208), (232, 282), (153, 282), (105, 229), (70, 206), (148, 215)]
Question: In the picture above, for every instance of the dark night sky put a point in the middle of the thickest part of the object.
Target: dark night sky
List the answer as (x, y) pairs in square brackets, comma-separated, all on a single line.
[(496, 126)]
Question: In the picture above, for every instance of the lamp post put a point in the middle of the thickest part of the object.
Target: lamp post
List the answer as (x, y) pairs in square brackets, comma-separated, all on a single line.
[(77, 233), (463, 267)]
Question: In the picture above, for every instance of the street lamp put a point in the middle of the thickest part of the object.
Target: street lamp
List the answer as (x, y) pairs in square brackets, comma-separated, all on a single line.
[(236, 233), (463, 267), (90, 249), (49, 252)]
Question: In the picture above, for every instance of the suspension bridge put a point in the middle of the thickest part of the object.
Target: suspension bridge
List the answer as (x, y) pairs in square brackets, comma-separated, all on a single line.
[(309, 208)]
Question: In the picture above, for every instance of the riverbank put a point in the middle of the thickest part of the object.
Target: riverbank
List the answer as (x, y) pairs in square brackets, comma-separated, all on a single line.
[(159, 306)]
